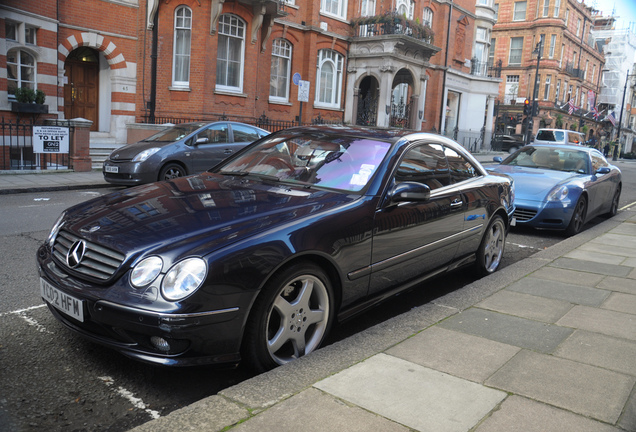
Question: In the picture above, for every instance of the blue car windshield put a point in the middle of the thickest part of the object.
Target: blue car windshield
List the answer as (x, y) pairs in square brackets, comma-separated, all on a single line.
[(338, 162), (553, 158)]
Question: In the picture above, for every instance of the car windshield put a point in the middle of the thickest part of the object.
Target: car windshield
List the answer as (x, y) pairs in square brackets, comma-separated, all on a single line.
[(331, 161), (174, 133), (552, 158)]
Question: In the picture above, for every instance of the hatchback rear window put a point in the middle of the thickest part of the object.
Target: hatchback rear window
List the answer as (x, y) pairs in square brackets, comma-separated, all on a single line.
[(548, 135)]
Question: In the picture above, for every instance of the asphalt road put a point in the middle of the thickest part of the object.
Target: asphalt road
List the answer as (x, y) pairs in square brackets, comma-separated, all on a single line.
[(51, 379)]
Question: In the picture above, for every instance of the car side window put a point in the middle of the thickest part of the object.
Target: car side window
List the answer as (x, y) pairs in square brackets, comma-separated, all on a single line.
[(598, 161), (216, 133), (461, 169), (244, 133), (425, 164)]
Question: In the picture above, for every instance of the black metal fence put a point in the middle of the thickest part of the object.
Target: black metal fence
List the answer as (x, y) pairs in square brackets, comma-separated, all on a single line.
[(263, 121), (16, 149)]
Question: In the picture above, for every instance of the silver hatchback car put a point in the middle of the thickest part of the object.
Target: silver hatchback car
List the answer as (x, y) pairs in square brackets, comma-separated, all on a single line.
[(180, 150)]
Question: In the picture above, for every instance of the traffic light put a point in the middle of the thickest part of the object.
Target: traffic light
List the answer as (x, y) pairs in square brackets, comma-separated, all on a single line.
[(527, 108), (535, 108)]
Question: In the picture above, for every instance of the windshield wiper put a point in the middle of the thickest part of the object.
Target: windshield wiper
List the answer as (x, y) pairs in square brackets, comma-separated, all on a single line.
[(234, 173)]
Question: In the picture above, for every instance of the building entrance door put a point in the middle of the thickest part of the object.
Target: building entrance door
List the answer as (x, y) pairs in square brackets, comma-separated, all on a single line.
[(81, 86)]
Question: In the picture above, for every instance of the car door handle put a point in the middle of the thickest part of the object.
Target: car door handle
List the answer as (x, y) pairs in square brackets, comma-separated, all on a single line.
[(228, 151), (457, 203)]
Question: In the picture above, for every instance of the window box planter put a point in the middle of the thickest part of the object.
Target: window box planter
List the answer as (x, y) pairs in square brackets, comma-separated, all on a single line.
[(30, 108)]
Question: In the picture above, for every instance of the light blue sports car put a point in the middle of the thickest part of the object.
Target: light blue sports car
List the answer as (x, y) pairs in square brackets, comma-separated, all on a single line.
[(561, 187)]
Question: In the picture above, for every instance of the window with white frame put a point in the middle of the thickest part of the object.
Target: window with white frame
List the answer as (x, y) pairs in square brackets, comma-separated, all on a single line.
[(562, 52), (546, 89), (230, 54), (512, 88), (519, 12), (557, 90), (21, 70), (546, 7), (552, 46), (406, 8), (20, 32), (11, 30), (280, 71), (328, 88), (557, 8), (593, 73), (587, 65), (29, 35), (578, 27), (181, 55), (337, 8), (367, 8), (481, 50), (491, 52), (516, 50), (567, 16), (427, 17), (496, 11)]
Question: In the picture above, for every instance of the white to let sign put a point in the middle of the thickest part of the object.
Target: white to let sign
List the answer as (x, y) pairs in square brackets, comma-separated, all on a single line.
[(50, 139), (303, 91)]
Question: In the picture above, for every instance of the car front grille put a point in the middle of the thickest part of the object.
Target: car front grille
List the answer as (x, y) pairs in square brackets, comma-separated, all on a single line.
[(97, 262), (522, 214)]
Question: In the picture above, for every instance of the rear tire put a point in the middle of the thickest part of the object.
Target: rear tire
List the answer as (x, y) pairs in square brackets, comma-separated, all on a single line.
[(578, 217), (492, 247), (290, 318)]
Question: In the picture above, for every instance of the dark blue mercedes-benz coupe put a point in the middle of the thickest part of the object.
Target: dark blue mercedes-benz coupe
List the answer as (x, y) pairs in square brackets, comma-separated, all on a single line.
[(255, 259)]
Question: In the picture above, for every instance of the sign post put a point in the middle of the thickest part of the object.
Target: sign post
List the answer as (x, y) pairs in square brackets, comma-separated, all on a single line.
[(303, 94)]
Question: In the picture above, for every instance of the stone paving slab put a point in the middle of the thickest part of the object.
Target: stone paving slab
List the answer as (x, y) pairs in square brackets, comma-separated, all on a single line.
[(583, 389), (315, 411), (620, 302), (603, 321), (627, 286), (594, 256), (525, 415), (599, 350), (592, 267), (527, 306), (568, 276), (415, 396), (519, 332), (614, 238), (459, 354), (560, 291)]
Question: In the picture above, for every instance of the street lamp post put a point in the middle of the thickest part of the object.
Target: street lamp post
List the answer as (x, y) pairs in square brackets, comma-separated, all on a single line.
[(620, 120), (538, 49)]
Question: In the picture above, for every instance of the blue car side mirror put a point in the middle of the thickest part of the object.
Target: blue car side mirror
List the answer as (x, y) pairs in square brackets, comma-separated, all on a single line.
[(498, 159)]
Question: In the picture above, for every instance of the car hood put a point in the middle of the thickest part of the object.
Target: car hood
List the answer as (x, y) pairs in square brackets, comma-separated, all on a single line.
[(129, 151), (194, 215), (534, 183)]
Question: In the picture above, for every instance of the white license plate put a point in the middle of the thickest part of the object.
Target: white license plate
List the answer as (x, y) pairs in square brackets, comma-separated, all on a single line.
[(62, 301), (513, 222), (111, 169)]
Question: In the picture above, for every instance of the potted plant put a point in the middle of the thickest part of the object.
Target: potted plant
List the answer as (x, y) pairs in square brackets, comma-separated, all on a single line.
[(29, 101)]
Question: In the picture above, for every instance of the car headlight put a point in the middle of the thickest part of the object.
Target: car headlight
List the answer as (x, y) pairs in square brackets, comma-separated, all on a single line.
[(184, 278), (558, 194), (146, 271), (56, 229), (142, 156)]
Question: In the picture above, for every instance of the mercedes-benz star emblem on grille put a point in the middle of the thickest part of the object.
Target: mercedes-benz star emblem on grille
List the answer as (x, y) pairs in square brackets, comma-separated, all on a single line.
[(76, 253)]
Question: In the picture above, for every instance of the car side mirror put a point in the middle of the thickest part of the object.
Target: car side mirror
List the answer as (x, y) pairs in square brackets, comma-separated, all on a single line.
[(410, 192), (201, 140), (498, 159), (603, 170)]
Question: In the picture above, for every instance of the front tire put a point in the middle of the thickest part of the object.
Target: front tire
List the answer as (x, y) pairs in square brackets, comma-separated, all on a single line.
[(290, 318), (615, 200), (492, 247), (171, 171), (578, 217)]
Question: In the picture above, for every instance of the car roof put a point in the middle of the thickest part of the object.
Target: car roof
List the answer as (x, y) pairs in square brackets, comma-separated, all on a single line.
[(562, 147)]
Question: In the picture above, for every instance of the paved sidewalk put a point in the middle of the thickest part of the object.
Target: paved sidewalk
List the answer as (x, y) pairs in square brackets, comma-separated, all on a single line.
[(12, 182), (546, 344)]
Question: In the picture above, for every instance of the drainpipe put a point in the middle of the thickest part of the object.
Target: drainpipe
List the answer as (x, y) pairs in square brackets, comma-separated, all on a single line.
[(153, 68), (442, 110)]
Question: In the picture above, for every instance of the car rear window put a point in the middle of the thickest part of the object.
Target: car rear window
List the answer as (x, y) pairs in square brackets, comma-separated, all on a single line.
[(548, 135)]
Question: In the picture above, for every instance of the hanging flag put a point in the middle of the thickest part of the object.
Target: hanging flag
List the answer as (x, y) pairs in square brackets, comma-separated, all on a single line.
[(611, 118), (571, 107), (590, 97), (595, 112)]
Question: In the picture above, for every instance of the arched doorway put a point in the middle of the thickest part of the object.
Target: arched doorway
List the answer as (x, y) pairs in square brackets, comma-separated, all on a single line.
[(81, 85), (401, 100), (368, 96)]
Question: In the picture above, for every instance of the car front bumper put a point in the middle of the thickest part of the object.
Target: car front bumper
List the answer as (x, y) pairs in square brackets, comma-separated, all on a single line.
[(554, 215), (170, 339), (127, 173)]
